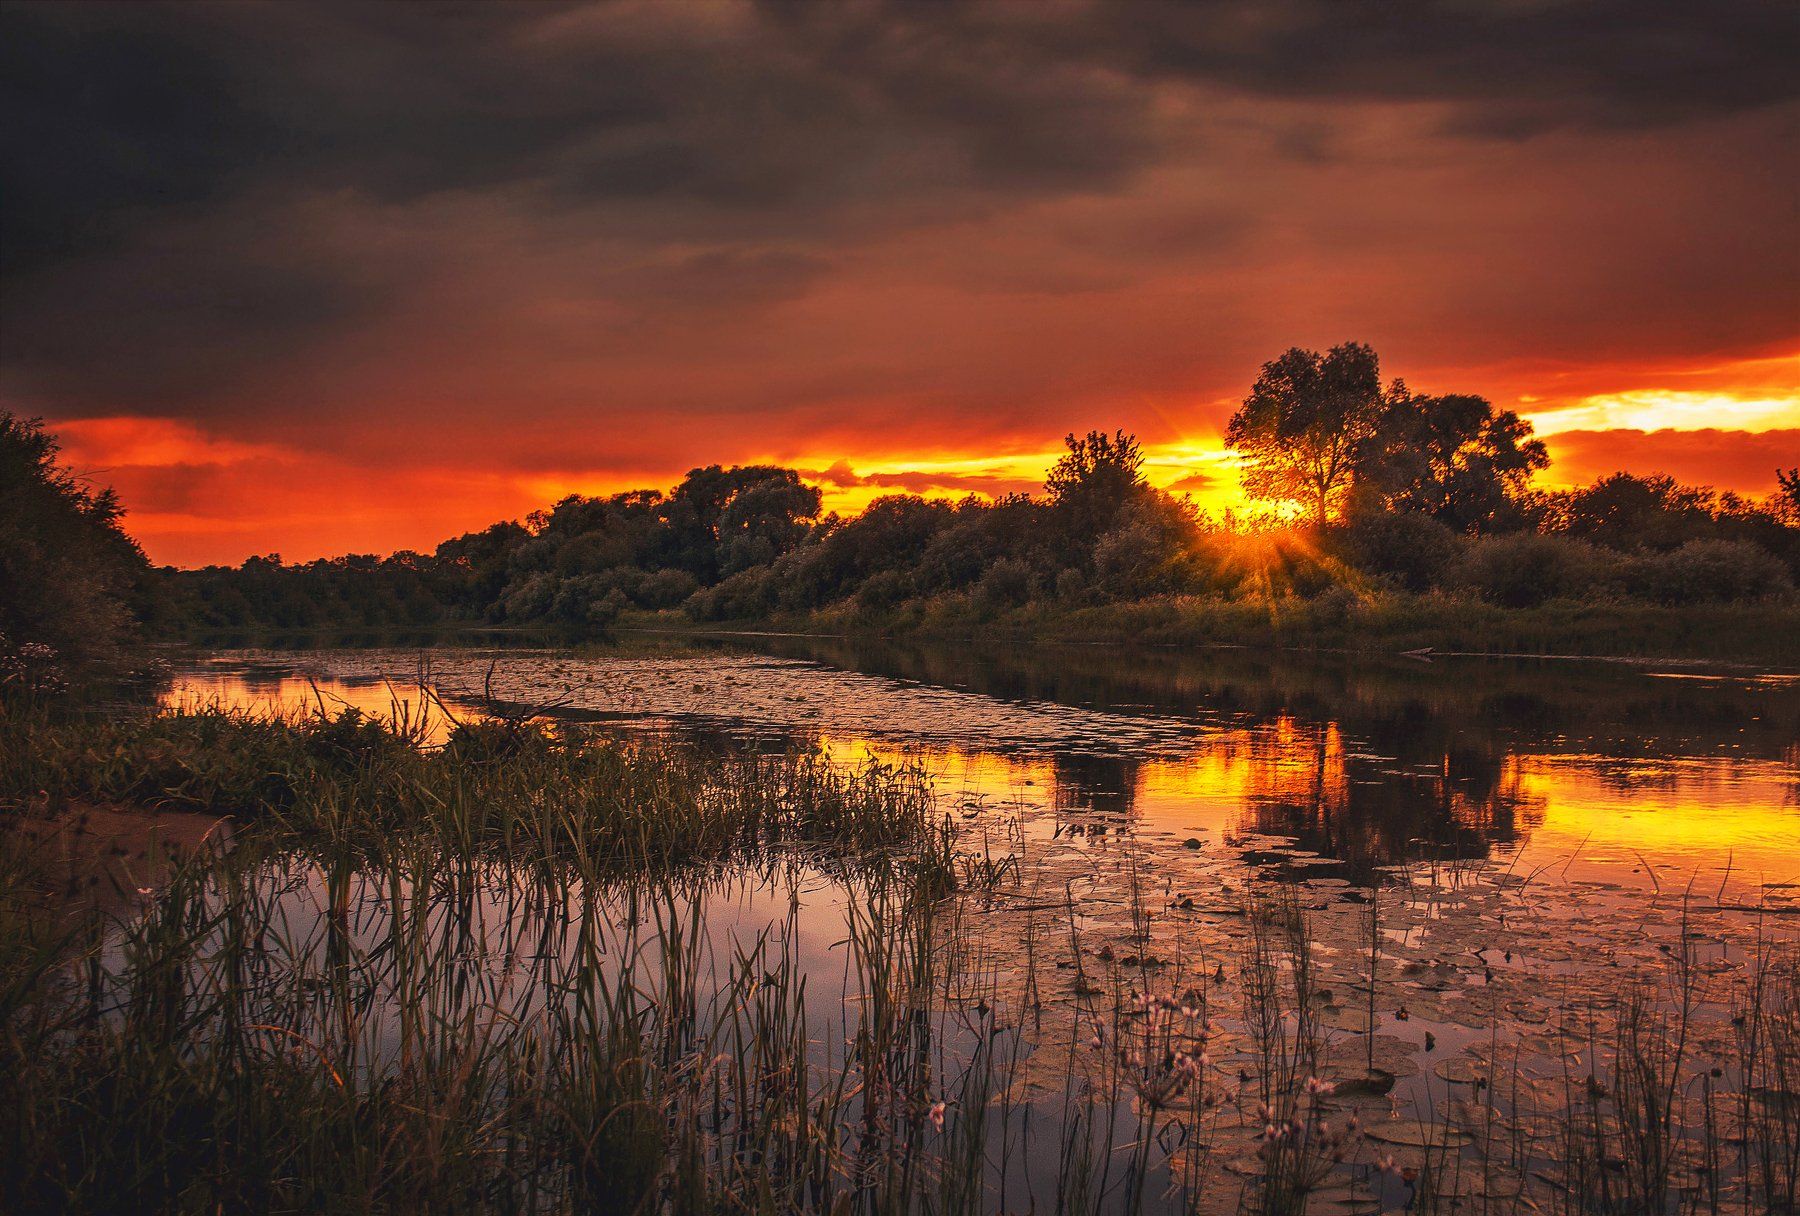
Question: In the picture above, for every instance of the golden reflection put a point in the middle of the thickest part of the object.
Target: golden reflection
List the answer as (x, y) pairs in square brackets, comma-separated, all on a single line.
[(1589, 816), (1690, 816), (286, 695)]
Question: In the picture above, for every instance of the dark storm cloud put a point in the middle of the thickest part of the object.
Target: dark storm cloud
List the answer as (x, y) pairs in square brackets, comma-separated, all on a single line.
[(196, 190), (117, 112), (1512, 64)]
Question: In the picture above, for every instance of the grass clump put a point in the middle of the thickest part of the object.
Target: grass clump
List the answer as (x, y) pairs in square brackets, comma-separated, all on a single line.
[(274, 1034), (507, 789), (480, 976)]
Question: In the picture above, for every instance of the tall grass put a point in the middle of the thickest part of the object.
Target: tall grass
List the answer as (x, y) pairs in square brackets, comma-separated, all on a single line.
[(499, 788), (427, 1038), (546, 972)]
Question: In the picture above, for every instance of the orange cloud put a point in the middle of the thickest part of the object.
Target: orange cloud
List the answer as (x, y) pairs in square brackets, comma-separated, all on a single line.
[(193, 498), (1732, 460)]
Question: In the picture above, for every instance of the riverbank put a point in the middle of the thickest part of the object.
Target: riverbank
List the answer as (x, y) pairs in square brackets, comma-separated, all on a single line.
[(1763, 634)]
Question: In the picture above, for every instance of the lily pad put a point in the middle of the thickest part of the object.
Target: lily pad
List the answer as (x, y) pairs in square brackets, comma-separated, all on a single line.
[(1414, 1134)]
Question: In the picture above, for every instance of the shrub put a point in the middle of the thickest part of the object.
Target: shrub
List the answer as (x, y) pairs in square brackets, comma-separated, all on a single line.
[(1335, 607), (1408, 547), (69, 576), (1134, 560), (666, 588), (1706, 570), (1006, 584), (529, 599), (1072, 586), (1527, 569), (746, 595), (883, 590)]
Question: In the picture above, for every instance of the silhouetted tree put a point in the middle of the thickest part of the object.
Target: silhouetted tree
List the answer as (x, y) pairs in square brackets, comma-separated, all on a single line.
[(1308, 421), (770, 513), (725, 520), (1787, 496), (1094, 482), (1421, 482), (1624, 511), (69, 575), (1455, 458)]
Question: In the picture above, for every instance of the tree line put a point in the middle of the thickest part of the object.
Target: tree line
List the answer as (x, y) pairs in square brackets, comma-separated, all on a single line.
[(1367, 489)]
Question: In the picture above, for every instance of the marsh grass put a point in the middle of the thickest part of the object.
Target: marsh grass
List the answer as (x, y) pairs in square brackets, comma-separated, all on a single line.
[(428, 1038), (540, 971), (506, 788), (467, 977)]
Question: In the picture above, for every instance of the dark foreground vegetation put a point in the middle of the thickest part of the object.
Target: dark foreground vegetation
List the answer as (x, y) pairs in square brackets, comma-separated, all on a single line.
[(246, 1040), (1419, 527), (487, 977)]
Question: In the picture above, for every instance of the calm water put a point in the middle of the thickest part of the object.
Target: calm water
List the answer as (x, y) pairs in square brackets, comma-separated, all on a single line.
[(1522, 837), (1628, 775)]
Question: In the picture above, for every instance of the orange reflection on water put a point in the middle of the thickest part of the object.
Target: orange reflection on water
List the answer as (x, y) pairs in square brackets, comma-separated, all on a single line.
[(1691, 816), (1632, 819), (1585, 817), (286, 695)]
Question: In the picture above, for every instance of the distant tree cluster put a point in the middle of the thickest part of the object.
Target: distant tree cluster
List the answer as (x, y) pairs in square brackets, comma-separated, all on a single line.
[(1396, 491), (578, 564)]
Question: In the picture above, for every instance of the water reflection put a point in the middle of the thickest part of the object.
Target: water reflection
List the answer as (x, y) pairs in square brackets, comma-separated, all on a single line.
[(1621, 770), (1622, 774), (1139, 800)]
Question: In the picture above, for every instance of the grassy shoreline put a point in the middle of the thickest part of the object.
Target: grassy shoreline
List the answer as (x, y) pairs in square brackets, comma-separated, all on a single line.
[(1763, 634), (1750, 634), (496, 787), (298, 1014)]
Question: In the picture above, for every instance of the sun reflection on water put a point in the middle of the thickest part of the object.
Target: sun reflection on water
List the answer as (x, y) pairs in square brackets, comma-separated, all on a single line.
[(1678, 810)]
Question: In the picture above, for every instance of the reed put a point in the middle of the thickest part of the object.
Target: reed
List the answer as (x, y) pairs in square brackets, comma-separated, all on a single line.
[(526, 970), (505, 789)]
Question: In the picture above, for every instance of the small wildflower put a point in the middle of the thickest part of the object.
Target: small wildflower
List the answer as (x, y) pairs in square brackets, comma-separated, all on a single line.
[(937, 1115)]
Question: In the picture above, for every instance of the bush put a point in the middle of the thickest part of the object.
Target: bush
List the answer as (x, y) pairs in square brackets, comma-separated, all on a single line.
[(666, 589), (1408, 548), (1134, 561), (746, 595), (69, 576), (529, 599), (1007, 584), (1527, 569), (1706, 570), (884, 590), (1072, 586)]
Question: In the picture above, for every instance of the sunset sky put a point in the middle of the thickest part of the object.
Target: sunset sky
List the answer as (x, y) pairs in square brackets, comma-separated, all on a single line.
[(312, 278)]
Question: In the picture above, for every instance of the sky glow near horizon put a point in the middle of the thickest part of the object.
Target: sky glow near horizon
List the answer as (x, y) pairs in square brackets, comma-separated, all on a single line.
[(316, 279)]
